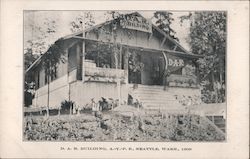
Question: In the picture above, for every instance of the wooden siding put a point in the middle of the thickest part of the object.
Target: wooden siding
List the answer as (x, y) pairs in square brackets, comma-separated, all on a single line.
[(130, 37), (41, 77), (40, 73), (62, 67)]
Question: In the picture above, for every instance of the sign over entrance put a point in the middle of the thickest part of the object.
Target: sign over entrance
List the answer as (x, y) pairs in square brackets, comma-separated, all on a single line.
[(135, 22), (173, 63)]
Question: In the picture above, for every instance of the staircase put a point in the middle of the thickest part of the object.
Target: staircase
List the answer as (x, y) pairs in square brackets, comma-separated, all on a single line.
[(155, 97)]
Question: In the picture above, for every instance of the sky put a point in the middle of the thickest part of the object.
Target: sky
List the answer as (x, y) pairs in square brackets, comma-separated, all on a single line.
[(35, 19)]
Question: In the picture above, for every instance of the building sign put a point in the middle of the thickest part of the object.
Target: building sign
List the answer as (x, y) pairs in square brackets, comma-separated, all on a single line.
[(136, 23), (173, 62)]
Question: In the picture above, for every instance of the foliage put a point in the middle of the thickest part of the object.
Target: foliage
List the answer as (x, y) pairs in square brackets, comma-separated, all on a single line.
[(117, 127), (38, 44), (51, 59), (27, 98), (101, 54), (163, 20), (208, 38), (135, 63), (41, 36), (66, 105), (29, 58), (82, 21), (210, 96)]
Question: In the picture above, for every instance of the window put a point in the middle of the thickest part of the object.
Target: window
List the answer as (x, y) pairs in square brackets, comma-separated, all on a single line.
[(46, 77), (54, 73)]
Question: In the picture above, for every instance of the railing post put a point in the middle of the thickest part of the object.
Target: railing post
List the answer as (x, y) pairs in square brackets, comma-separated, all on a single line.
[(59, 113)]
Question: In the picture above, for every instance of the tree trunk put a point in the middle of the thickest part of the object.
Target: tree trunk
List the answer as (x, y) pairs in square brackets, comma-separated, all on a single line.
[(120, 57), (48, 96), (213, 85), (221, 71), (126, 67), (69, 99)]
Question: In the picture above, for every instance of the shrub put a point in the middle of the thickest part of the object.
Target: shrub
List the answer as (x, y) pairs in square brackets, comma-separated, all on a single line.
[(66, 106)]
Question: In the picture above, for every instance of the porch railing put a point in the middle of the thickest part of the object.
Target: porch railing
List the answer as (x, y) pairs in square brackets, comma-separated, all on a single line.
[(98, 73)]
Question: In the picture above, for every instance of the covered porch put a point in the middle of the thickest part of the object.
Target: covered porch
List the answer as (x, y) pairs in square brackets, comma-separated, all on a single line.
[(133, 65)]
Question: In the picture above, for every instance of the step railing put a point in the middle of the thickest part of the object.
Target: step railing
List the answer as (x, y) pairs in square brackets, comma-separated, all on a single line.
[(213, 125)]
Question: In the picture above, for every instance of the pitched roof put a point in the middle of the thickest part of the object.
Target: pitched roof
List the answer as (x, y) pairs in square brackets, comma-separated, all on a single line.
[(108, 22), (138, 14)]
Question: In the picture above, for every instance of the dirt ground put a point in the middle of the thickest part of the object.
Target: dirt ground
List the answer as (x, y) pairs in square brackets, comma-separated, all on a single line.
[(120, 125)]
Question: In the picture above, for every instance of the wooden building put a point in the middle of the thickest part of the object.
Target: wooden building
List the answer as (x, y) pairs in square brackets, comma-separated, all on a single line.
[(122, 58)]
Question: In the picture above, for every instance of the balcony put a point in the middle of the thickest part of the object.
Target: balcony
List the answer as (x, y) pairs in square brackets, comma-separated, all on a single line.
[(98, 74)]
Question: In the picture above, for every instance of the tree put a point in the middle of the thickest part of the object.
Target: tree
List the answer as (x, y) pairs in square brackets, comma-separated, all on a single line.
[(82, 21), (49, 62), (208, 38), (163, 20), (42, 34), (29, 58)]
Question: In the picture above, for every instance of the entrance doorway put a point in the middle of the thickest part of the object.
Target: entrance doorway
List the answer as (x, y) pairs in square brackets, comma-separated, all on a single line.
[(151, 71)]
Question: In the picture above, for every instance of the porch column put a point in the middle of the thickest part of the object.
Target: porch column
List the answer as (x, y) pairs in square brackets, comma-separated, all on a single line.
[(118, 84), (78, 60), (165, 71), (117, 66), (126, 64), (197, 72), (68, 81), (83, 58)]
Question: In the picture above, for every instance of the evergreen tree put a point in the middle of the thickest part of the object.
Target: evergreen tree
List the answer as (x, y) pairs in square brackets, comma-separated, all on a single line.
[(82, 21), (163, 20), (208, 38)]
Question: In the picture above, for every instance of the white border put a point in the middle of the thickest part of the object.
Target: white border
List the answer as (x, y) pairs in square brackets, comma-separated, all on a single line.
[(11, 66)]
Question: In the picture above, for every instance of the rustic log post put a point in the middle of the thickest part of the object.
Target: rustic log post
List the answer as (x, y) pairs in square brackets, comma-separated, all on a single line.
[(126, 57), (48, 97), (79, 62), (59, 111), (119, 91), (71, 107), (120, 57), (83, 59)]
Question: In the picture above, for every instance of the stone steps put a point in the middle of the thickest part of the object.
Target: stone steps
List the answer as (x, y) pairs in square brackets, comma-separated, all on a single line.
[(161, 98), (154, 97)]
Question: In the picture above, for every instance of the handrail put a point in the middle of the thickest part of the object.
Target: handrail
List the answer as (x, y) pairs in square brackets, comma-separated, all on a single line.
[(104, 72)]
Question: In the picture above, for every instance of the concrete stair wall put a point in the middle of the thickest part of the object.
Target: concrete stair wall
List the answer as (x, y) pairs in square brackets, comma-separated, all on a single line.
[(219, 121), (155, 97)]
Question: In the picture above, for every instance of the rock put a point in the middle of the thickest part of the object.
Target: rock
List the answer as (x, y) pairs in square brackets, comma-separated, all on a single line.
[(157, 122), (66, 126), (147, 122), (103, 125)]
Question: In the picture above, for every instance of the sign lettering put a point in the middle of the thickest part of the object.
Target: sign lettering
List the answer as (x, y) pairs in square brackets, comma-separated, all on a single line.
[(175, 62), (136, 23)]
